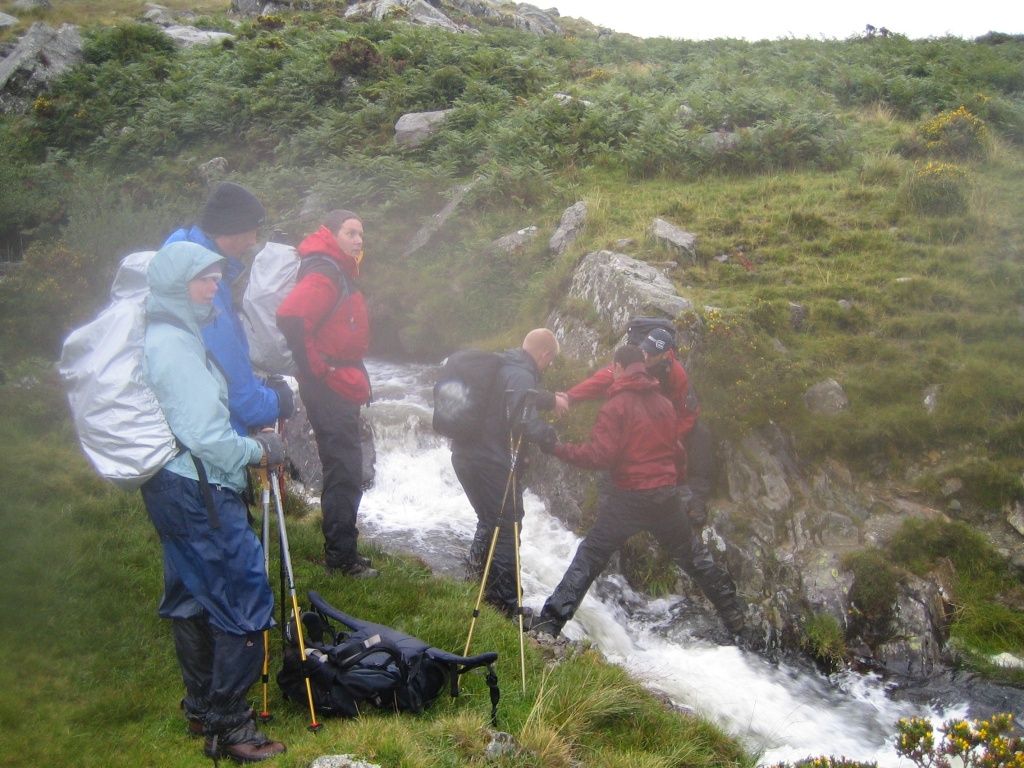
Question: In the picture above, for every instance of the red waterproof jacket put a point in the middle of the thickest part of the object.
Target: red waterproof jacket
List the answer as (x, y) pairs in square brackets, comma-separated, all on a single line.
[(327, 337), (634, 435), (675, 385)]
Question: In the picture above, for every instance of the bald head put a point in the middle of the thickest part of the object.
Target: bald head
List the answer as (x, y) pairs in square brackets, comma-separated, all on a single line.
[(542, 346)]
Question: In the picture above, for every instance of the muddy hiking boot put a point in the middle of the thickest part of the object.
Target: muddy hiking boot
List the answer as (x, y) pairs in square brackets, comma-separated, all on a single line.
[(539, 626), (243, 744), (362, 568)]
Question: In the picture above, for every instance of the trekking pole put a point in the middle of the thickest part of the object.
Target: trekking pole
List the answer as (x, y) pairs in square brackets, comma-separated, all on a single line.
[(286, 560), (494, 545), (519, 599), (264, 714)]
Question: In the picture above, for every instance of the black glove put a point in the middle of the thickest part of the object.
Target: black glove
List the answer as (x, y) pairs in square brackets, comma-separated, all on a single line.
[(548, 441), (273, 448), (285, 398)]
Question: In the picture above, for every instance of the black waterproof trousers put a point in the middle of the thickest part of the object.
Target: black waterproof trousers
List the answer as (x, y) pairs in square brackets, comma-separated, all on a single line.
[(335, 423), (621, 515), (218, 668), (484, 483)]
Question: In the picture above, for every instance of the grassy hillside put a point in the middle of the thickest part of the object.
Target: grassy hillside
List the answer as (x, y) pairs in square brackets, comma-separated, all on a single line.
[(88, 675), (876, 183)]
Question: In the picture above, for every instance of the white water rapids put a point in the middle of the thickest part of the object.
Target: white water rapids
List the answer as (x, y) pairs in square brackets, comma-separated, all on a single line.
[(417, 505)]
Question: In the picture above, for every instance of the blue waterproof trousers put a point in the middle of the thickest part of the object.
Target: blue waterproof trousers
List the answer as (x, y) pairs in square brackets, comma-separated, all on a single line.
[(215, 591)]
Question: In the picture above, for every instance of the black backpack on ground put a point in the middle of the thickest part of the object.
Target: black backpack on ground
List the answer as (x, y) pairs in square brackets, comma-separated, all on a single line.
[(463, 392), (366, 663), (640, 327)]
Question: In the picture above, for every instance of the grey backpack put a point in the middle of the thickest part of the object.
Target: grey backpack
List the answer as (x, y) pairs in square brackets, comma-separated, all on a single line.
[(120, 425)]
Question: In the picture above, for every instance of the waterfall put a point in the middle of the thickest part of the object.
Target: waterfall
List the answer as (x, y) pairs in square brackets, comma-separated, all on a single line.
[(779, 712)]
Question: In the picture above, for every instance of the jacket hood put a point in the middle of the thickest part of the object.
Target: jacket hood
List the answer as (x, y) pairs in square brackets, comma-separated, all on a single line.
[(323, 241), (169, 273), (635, 379)]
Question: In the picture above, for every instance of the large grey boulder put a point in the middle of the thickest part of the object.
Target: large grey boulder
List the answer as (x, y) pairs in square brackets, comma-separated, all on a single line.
[(677, 240), (414, 128), (569, 228), (41, 55), (6, 20), (826, 398), (616, 287)]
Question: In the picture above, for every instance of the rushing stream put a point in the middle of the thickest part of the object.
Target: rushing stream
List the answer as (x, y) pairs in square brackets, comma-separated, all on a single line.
[(417, 505)]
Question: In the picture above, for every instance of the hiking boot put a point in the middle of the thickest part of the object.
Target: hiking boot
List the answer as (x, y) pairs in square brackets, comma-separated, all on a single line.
[(356, 570), (244, 744), (538, 626)]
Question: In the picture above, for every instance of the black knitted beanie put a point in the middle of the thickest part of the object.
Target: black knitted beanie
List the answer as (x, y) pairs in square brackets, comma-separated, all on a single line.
[(231, 209)]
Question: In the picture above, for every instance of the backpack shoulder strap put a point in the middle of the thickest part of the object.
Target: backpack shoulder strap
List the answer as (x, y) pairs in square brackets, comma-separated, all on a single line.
[(322, 264)]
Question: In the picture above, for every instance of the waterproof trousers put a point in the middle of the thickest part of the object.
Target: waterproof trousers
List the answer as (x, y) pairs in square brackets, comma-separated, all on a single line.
[(335, 423), (622, 514), (216, 594), (484, 483), (218, 669)]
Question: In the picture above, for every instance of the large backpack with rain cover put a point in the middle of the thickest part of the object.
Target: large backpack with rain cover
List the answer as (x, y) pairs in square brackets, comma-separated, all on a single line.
[(275, 271), (362, 663), (463, 392), (120, 425), (640, 327)]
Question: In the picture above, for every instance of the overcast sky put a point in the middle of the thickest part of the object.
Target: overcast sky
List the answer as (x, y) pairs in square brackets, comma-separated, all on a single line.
[(763, 19)]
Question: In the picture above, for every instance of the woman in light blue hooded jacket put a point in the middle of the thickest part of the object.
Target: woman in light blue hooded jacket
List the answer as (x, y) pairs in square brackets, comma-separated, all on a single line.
[(215, 588)]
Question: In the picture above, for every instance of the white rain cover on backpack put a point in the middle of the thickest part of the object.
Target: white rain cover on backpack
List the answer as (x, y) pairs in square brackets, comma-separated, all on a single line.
[(271, 278), (118, 419)]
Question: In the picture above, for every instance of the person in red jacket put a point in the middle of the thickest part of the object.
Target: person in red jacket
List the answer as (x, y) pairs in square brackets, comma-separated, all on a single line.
[(634, 439), (659, 350), (325, 322)]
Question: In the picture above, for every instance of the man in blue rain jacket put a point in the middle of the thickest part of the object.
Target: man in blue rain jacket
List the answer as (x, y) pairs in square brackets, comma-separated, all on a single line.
[(229, 226)]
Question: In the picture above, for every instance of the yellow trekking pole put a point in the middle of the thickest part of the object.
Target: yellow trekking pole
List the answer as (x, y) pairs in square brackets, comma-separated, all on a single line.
[(286, 559), (494, 544)]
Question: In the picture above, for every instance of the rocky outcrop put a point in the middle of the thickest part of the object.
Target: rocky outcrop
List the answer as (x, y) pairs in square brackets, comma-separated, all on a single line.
[(41, 55), (569, 228), (413, 11), (616, 287), (787, 528), (444, 14)]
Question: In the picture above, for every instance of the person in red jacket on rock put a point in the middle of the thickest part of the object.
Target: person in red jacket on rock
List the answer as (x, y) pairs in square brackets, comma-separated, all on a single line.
[(634, 438), (325, 322)]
